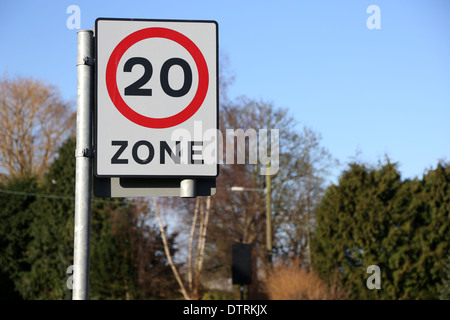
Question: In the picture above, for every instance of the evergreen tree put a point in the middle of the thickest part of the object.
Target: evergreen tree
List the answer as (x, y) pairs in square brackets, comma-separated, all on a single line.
[(112, 272), (120, 242), (127, 259), (373, 218), (445, 286), (429, 243), (16, 196), (51, 246), (352, 225)]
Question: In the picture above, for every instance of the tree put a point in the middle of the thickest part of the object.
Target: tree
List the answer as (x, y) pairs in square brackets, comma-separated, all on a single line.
[(196, 244), (242, 216), (128, 256), (16, 197), (352, 226), (427, 245), (296, 218), (36, 244), (34, 121), (444, 292), (51, 246), (195, 260), (372, 217)]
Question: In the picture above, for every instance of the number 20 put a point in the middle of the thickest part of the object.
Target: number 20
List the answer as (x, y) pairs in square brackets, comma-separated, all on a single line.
[(135, 89)]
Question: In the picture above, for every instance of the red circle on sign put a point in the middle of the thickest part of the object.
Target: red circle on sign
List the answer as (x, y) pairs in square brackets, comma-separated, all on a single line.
[(121, 105)]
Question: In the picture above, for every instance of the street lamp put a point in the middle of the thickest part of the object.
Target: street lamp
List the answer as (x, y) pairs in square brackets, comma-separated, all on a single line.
[(267, 190), (240, 189)]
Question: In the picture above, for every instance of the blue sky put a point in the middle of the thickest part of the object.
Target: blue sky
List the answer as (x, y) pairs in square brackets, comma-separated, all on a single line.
[(375, 92)]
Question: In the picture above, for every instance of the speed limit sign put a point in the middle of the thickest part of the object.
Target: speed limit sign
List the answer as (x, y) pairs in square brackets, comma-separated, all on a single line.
[(157, 101)]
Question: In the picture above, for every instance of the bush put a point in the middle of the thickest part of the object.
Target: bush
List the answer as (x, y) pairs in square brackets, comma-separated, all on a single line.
[(291, 282)]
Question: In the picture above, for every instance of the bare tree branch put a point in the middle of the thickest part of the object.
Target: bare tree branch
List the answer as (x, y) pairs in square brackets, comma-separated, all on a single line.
[(167, 251), (34, 121)]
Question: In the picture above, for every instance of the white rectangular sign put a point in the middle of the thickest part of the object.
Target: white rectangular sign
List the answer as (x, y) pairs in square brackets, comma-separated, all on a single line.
[(157, 101)]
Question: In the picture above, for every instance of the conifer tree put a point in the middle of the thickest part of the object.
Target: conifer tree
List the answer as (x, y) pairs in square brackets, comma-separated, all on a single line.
[(373, 218), (16, 196), (352, 227), (445, 286), (123, 245), (51, 247)]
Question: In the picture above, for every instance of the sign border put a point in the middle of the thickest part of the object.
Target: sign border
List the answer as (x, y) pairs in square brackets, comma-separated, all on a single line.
[(170, 121), (95, 115)]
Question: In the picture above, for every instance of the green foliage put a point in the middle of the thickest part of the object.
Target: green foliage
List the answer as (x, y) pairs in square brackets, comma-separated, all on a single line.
[(16, 219), (127, 258), (372, 217), (36, 241), (444, 293), (51, 246), (111, 271)]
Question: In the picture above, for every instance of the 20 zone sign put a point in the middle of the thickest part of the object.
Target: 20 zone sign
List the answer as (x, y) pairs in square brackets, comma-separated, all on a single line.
[(157, 93)]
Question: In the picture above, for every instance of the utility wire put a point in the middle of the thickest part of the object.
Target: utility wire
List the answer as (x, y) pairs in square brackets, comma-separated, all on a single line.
[(51, 196)]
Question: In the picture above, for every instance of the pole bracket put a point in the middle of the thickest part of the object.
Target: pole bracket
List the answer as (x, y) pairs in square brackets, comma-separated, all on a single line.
[(86, 61), (84, 153)]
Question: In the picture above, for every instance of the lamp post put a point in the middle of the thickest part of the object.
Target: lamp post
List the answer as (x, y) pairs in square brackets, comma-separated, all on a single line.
[(268, 192), (268, 217)]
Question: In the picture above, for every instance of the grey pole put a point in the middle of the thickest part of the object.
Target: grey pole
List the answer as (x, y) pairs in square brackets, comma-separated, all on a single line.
[(83, 154)]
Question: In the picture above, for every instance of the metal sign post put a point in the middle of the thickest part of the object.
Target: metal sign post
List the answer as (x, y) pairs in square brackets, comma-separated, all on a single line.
[(83, 154)]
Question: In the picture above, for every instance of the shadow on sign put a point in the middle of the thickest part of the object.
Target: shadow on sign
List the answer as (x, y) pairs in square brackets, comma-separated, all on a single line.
[(148, 187)]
